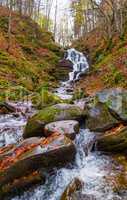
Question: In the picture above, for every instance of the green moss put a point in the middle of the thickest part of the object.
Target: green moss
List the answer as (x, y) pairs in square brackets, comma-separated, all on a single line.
[(74, 112), (24, 66), (78, 94), (36, 124), (114, 77), (4, 23), (115, 142), (45, 98), (47, 114)]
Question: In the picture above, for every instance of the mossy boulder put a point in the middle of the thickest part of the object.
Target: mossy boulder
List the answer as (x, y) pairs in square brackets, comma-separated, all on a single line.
[(27, 157), (99, 118), (114, 141), (58, 112), (116, 101)]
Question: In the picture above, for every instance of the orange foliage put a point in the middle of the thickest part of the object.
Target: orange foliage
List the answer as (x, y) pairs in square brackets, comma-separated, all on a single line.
[(18, 151), (42, 52), (115, 130)]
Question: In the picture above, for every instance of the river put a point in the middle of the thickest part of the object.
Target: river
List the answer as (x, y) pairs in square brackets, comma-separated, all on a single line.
[(96, 170)]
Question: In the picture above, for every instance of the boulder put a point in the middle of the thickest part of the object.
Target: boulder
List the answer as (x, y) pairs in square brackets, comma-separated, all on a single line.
[(22, 184), (82, 103), (66, 63), (58, 112), (75, 186), (8, 150), (64, 68), (6, 108), (99, 118), (116, 101), (67, 127), (114, 141), (21, 160), (74, 191)]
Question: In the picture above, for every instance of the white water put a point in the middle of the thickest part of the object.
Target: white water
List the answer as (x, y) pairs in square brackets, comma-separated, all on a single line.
[(80, 63), (11, 126), (62, 91), (92, 168), (80, 66)]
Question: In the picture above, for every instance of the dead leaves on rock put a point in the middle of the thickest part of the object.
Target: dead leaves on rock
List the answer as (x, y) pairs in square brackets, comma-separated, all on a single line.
[(16, 152)]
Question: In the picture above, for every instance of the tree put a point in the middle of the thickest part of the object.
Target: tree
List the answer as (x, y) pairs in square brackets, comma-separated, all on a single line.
[(11, 3)]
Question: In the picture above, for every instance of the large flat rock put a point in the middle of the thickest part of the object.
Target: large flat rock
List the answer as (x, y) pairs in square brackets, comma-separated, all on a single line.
[(21, 160)]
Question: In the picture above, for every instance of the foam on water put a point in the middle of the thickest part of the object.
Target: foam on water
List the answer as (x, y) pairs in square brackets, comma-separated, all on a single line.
[(11, 126), (90, 169)]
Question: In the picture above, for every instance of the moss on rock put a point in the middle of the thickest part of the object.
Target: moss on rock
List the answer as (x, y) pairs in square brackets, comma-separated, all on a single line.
[(99, 118), (58, 112), (114, 141)]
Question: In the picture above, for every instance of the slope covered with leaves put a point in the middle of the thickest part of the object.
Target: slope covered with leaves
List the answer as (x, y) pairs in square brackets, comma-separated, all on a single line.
[(108, 58), (28, 60)]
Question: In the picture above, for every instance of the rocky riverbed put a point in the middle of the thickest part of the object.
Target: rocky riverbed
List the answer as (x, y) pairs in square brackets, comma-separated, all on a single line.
[(74, 150)]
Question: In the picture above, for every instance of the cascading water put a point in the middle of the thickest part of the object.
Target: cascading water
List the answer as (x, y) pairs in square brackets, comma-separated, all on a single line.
[(80, 63), (11, 126), (80, 67), (93, 168)]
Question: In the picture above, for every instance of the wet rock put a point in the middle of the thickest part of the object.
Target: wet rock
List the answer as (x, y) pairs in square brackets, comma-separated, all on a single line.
[(114, 141), (99, 118), (8, 150), (22, 184), (82, 103), (6, 108), (116, 101), (67, 127), (32, 140), (66, 63), (71, 190), (69, 90), (20, 160), (58, 112), (65, 67)]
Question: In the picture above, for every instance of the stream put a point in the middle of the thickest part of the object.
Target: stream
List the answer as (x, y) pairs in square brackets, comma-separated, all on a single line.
[(95, 169)]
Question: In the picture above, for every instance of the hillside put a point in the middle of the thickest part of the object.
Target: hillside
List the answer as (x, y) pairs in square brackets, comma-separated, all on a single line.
[(28, 61), (108, 59)]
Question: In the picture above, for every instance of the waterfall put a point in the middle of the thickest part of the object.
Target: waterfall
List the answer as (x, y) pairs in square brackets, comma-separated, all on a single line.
[(80, 63)]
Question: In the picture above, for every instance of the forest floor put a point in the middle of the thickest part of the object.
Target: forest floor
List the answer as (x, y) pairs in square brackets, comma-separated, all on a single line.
[(108, 61), (28, 59)]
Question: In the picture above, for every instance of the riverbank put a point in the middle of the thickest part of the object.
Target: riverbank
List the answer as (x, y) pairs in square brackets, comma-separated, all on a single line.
[(28, 58), (107, 59), (74, 149)]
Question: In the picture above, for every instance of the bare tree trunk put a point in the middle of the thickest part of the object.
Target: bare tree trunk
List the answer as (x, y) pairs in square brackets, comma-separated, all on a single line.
[(9, 24), (55, 22)]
